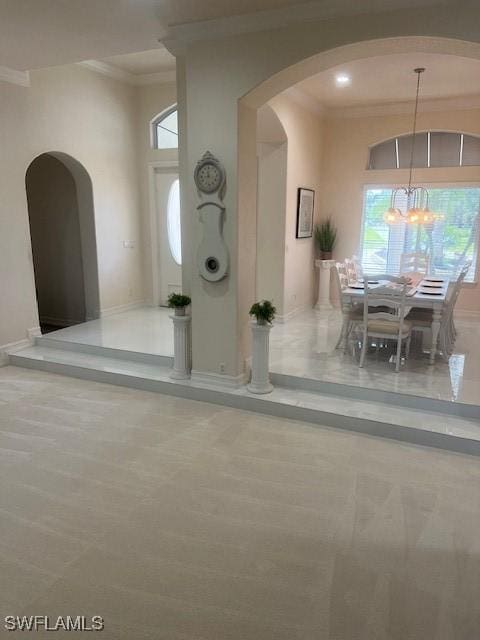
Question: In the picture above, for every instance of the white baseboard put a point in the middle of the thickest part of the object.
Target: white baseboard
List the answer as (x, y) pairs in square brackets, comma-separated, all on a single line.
[(34, 332), (218, 379), (110, 311)]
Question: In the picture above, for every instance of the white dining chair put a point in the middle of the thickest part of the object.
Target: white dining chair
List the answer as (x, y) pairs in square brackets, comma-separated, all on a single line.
[(422, 319), (355, 311), (351, 270), (415, 265), (389, 323)]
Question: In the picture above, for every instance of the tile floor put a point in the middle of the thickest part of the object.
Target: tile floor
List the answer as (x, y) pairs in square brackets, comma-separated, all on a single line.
[(144, 330), (305, 346), (180, 520)]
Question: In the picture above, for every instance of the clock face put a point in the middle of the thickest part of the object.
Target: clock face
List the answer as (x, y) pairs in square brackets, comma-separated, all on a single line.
[(209, 177)]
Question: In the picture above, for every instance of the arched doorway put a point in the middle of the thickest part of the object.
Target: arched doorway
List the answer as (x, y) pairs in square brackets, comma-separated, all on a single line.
[(62, 230)]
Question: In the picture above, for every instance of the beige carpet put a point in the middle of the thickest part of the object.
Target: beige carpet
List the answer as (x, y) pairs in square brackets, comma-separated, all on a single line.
[(178, 520)]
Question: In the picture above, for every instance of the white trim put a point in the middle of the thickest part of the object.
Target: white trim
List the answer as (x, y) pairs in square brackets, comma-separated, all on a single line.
[(219, 380), (110, 70), (22, 78), (110, 311), (153, 167), (34, 332), (460, 103)]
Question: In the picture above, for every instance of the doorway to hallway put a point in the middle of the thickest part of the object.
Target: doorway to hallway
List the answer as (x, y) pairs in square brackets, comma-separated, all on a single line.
[(62, 230)]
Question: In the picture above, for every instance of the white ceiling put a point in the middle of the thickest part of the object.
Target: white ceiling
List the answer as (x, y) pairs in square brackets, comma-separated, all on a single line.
[(153, 61), (42, 33), (390, 79)]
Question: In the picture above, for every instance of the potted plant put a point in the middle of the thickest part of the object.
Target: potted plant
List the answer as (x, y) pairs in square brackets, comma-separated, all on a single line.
[(325, 238), (178, 302), (263, 311)]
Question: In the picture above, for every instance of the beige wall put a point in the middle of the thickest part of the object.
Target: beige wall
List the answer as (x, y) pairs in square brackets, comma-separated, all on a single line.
[(251, 69), (304, 131), (271, 208), (93, 119), (345, 174), (103, 124)]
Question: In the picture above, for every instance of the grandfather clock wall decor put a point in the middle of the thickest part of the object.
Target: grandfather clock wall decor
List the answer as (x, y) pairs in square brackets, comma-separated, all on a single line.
[(212, 253)]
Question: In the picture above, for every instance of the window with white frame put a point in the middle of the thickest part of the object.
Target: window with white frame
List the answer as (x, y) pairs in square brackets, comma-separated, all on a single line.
[(174, 230), (165, 130), (450, 242), (432, 149)]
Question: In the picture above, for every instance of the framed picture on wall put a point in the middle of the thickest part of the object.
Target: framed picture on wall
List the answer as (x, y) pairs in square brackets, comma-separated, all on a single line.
[(305, 205)]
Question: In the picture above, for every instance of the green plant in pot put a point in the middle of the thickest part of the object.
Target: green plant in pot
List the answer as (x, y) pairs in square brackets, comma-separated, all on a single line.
[(178, 302), (325, 238), (263, 311)]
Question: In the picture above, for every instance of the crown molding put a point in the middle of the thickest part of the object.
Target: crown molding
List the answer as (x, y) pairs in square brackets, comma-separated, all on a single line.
[(109, 70), (13, 76), (268, 20), (461, 103)]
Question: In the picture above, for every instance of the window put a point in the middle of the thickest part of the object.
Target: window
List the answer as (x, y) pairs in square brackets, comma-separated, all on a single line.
[(165, 130), (432, 149), (450, 242), (173, 222)]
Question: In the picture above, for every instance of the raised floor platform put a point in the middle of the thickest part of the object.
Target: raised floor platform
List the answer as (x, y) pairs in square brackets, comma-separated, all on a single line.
[(134, 349)]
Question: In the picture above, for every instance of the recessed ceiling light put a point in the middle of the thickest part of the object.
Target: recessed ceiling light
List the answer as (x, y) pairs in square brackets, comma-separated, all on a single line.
[(342, 80)]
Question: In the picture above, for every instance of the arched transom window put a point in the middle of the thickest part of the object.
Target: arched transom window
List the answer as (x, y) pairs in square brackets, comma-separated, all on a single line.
[(165, 130), (432, 149)]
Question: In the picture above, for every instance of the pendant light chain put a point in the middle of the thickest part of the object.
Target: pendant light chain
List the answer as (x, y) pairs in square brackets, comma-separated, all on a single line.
[(418, 71)]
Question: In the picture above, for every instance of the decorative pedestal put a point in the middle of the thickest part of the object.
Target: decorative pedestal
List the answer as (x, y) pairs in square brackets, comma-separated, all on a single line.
[(182, 348), (324, 267), (260, 382)]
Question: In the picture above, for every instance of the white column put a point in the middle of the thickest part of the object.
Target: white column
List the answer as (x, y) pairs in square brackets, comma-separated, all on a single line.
[(324, 267), (182, 347), (260, 382)]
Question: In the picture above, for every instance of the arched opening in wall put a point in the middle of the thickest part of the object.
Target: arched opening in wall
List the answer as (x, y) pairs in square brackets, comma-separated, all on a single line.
[(62, 229), (359, 95), (272, 153)]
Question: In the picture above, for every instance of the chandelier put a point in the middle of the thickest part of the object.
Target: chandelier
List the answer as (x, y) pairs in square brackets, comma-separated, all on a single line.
[(417, 211)]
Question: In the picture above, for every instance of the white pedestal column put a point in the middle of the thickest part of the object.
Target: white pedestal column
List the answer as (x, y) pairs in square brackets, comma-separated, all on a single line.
[(324, 266), (182, 347), (260, 382)]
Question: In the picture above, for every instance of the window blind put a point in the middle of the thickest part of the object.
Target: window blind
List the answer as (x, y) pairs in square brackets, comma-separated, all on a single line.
[(450, 241)]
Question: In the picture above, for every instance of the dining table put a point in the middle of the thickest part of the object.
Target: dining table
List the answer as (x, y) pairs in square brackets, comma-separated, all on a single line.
[(427, 293)]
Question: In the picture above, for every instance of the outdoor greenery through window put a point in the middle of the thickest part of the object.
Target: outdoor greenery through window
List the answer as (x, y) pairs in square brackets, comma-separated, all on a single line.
[(450, 241)]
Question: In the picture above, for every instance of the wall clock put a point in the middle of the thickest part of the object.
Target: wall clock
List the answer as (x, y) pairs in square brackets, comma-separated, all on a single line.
[(209, 175), (212, 252)]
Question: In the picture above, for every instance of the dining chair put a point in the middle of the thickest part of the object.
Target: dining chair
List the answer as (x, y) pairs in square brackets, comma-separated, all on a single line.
[(354, 314), (389, 324), (351, 270), (422, 319), (414, 264)]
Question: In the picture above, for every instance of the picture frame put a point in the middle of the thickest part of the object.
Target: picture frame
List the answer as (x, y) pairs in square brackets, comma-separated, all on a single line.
[(305, 211)]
